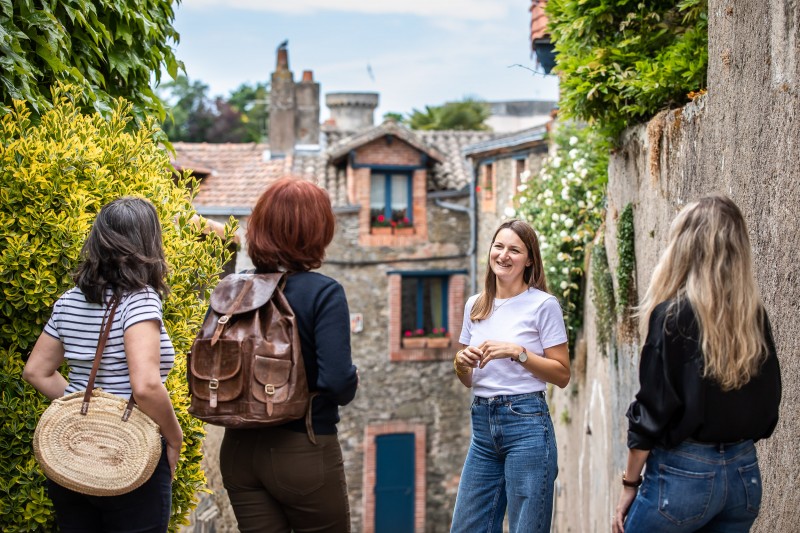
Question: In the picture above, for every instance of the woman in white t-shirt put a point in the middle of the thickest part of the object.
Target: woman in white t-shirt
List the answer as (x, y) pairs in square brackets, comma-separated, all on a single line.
[(515, 342), (122, 258)]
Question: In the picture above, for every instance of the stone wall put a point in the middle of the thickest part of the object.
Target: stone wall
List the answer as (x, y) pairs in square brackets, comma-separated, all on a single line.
[(740, 139)]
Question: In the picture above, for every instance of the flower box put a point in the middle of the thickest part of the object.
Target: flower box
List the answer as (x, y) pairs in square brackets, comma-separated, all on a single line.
[(405, 230), (381, 230), (438, 342), (414, 342)]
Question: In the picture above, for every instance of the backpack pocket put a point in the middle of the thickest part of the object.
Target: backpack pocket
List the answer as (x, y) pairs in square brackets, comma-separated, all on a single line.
[(216, 370), (271, 380)]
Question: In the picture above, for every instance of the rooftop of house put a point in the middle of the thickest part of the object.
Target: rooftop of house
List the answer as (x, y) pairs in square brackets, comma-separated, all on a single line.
[(538, 19), (233, 176)]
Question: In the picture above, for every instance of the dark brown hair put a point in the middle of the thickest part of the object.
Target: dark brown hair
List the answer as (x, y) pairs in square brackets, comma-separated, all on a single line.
[(533, 275), (123, 252), (291, 225)]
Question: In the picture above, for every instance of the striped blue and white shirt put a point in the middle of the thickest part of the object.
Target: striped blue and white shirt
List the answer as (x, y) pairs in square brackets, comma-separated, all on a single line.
[(76, 323)]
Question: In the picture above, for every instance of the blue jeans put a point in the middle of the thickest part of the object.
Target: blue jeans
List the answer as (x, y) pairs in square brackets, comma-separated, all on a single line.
[(512, 461), (698, 487), (144, 510)]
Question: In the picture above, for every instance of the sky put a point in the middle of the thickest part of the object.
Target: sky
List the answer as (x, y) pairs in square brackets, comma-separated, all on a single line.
[(412, 52)]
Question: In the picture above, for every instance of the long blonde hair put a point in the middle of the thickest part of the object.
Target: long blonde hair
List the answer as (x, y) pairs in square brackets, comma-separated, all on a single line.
[(533, 275), (708, 261)]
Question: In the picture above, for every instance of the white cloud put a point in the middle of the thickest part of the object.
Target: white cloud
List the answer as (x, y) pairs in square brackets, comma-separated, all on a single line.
[(446, 9)]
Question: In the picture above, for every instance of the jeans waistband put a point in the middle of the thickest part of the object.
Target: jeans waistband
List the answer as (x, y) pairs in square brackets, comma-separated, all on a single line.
[(509, 398), (720, 446)]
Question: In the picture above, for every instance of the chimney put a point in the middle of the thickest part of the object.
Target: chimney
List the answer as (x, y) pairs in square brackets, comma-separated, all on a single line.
[(306, 96), (282, 107), (352, 111)]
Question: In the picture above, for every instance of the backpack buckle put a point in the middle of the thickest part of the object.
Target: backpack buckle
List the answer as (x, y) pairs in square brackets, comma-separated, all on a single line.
[(223, 319), (269, 388), (213, 384)]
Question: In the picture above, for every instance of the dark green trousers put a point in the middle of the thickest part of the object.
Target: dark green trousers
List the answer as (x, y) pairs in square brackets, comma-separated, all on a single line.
[(278, 481)]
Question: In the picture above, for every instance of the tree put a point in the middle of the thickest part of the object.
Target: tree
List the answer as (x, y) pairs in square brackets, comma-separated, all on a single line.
[(396, 117), (56, 174), (108, 48), (253, 102), (194, 117), (190, 114), (468, 114)]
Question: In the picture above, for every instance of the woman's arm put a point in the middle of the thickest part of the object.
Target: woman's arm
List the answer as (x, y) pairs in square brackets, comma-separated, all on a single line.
[(41, 370), (553, 367), (636, 460), (143, 352), (337, 377)]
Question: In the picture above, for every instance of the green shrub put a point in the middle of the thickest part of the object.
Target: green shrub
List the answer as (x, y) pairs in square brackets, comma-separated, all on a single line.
[(56, 175), (565, 205), (620, 62)]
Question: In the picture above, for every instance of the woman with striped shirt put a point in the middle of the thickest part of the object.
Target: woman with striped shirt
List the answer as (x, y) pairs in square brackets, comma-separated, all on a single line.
[(122, 258)]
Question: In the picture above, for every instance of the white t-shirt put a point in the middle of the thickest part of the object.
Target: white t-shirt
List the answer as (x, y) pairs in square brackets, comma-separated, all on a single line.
[(532, 319), (76, 323)]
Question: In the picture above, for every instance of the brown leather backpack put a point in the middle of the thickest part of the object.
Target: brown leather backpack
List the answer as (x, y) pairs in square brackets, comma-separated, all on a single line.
[(246, 368)]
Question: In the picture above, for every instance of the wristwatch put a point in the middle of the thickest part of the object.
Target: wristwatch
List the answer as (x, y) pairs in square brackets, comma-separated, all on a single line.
[(522, 356)]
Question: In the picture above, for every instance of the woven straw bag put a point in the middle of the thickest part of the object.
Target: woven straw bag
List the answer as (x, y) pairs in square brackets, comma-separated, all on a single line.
[(94, 442)]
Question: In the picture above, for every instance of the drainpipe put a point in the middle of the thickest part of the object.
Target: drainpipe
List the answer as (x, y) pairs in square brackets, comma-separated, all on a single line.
[(470, 211)]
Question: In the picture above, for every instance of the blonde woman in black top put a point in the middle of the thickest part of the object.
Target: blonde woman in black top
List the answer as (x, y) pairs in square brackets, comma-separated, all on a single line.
[(709, 382)]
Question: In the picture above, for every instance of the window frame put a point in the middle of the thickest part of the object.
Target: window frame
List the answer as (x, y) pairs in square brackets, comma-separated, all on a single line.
[(388, 173), (400, 349)]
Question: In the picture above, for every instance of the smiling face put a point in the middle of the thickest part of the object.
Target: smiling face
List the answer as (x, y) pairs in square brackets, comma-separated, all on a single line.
[(508, 256)]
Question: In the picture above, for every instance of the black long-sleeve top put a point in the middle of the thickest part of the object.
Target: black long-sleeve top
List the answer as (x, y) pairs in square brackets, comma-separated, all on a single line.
[(323, 322), (675, 402)]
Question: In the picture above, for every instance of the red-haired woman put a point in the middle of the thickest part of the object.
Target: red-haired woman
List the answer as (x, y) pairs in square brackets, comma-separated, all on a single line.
[(277, 480)]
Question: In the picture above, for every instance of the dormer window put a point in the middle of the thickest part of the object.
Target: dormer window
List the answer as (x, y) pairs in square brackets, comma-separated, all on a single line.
[(390, 199)]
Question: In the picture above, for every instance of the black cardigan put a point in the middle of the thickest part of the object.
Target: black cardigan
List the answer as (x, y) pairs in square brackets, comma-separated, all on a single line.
[(323, 321), (675, 403)]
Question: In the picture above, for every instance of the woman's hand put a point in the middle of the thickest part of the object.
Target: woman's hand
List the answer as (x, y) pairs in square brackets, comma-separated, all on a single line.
[(173, 454), (492, 350), (623, 505), (469, 357)]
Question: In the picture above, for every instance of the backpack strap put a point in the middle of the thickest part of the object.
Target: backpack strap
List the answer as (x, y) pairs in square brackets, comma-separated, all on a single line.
[(309, 425)]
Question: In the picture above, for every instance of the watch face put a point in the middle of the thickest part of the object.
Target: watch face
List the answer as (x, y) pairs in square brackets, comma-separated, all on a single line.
[(522, 357)]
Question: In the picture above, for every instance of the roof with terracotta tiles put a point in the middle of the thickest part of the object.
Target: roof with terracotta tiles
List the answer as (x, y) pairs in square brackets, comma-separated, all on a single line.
[(538, 19), (339, 150), (233, 176)]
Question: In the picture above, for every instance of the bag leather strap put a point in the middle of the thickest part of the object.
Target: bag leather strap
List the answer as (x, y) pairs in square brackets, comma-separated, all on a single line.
[(105, 330)]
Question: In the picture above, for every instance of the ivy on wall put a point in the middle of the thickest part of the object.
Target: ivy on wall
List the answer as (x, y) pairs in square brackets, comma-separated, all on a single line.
[(565, 205), (602, 296), (626, 272), (620, 62)]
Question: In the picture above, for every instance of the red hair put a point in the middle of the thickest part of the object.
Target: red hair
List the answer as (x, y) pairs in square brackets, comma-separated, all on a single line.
[(290, 227)]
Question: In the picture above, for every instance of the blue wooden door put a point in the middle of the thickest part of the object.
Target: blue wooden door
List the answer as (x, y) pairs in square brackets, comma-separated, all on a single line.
[(394, 483)]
